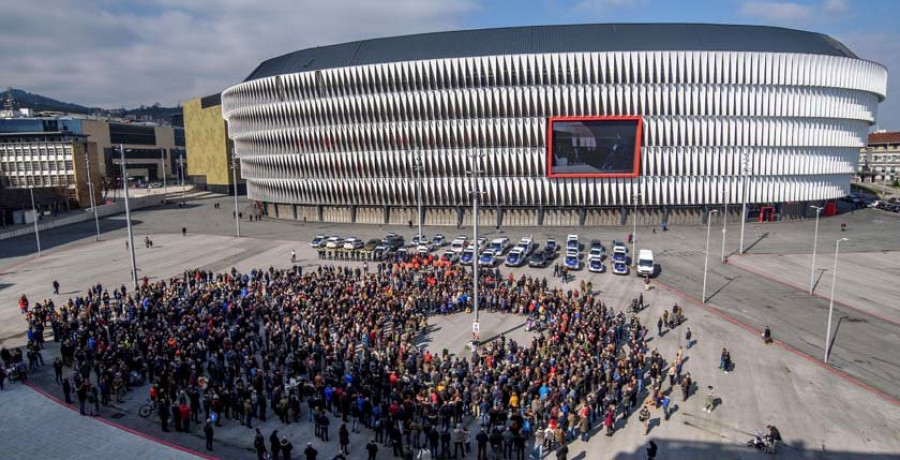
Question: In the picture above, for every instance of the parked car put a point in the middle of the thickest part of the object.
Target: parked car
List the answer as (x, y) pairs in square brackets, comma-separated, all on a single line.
[(597, 253), (353, 243), (526, 244), (551, 245), (482, 243), (372, 244), (645, 264), (335, 242), (487, 258), (418, 239), (573, 243), (438, 241), (572, 261), (318, 242), (620, 246), (467, 257), (516, 257), (619, 256), (450, 256), (597, 245), (620, 268), (393, 241), (540, 259), (459, 244), (595, 264), (499, 246), (422, 250)]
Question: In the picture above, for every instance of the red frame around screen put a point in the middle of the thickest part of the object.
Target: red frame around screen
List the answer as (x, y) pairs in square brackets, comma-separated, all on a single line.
[(635, 172)]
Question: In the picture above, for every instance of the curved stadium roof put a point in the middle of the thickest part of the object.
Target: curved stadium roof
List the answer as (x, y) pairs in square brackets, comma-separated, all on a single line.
[(554, 39)]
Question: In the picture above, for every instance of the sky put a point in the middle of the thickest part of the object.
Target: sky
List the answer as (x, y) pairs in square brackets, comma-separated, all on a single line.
[(113, 53)]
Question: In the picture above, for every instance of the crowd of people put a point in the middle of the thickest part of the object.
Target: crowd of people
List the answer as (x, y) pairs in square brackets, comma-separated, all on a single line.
[(342, 346)]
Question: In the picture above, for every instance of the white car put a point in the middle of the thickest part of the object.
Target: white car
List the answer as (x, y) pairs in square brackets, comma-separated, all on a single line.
[(595, 264), (438, 241), (318, 241), (467, 257), (573, 243), (596, 253), (620, 268), (516, 257), (499, 245), (418, 239), (458, 244), (482, 243), (422, 250), (335, 242), (487, 258), (526, 244), (353, 243)]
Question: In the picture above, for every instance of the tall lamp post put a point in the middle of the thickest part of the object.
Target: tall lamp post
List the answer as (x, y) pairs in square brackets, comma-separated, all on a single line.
[(419, 167), (181, 170), (745, 166), (812, 271), (37, 235), (87, 166), (237, 217), (706, 257), (724, 222), (162, 157), (134, 277), (837, 248), (475, 192)]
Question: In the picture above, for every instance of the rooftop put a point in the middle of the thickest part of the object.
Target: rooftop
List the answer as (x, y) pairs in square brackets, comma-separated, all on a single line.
[(553, 39), (884, 138)]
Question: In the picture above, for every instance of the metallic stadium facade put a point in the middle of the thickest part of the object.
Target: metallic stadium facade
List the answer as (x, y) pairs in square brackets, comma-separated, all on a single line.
[(355, 132)]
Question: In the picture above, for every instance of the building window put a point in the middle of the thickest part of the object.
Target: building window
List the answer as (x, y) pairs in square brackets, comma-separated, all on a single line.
[(69, 165)]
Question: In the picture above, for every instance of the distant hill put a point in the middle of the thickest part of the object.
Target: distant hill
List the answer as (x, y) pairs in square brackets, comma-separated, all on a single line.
[(40, 103)]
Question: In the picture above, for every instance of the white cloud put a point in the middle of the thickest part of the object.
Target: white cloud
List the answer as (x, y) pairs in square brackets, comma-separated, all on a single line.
[(795, 13), (131, 52)]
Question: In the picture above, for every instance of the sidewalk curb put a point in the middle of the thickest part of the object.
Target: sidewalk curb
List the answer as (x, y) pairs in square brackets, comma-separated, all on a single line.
[(100, 419)]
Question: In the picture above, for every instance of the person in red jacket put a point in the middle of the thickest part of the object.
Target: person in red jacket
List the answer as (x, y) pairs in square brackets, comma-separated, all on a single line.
[(184, 411)]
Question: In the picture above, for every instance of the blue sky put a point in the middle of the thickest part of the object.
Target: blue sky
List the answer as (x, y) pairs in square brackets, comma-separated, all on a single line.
[(130, 52)]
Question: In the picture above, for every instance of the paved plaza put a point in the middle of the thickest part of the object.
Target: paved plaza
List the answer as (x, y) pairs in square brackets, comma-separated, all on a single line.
[(847, 410)]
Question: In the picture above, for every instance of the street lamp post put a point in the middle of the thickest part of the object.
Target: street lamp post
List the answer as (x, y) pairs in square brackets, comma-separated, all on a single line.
[(706, 257), (745, 165), (837, 248), (724, 222), (87, 166), (181, 167), (37, 235), (812, 271), (419, 166), (475, 194), (636, 195), (162, 155), (134, 278), (237, 217)]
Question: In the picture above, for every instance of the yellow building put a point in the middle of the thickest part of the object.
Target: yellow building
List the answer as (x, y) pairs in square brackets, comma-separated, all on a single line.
[(208, 147)]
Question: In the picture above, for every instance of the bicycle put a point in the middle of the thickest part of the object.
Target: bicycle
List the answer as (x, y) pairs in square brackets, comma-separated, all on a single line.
[(147, 408)]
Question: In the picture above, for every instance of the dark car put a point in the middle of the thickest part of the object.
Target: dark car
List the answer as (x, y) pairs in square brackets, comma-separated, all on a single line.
[(393, 241), (540, 259)]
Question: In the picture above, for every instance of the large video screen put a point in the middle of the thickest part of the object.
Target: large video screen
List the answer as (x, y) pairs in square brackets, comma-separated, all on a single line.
[(594, 147)]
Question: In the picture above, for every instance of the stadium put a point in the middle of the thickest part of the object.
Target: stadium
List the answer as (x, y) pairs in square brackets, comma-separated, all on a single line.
[(556, 125)]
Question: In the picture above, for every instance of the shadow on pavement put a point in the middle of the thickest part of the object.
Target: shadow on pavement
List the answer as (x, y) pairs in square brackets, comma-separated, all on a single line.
[(25, 245), (677, 449)]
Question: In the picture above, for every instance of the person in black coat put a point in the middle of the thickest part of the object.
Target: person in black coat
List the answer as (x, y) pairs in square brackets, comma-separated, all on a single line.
[(164, 412), (372, 448), (275, 444), (259, 443), (208, 431), (310, 452)]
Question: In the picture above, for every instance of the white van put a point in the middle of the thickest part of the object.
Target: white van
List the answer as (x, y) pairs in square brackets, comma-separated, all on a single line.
[(645, 265)]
